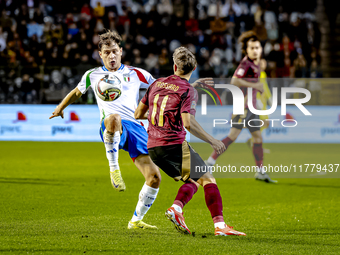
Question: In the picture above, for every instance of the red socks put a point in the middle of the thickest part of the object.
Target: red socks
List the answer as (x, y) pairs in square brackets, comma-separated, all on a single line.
[(214, 202), (185, 193), (227, 141), (212, 198), (258, 154)]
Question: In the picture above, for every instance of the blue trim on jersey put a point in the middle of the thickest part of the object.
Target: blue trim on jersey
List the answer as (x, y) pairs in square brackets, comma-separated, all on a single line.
[(133, 139), (120, 68)]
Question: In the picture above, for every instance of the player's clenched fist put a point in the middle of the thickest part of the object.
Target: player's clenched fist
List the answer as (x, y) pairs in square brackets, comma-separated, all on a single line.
[(218, 146)]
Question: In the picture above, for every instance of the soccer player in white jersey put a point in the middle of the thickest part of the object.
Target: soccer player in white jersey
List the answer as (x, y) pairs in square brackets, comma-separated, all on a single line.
[(119, 129)]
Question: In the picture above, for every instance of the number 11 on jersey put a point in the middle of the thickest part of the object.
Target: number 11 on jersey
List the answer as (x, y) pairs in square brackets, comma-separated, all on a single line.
[(161, 112)]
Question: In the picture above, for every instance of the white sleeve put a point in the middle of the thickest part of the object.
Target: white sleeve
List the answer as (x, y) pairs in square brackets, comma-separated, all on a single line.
[(148, 77), (84, 85)]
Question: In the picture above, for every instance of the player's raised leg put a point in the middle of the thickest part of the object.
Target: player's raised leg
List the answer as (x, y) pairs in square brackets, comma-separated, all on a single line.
[(232, 136), (261, 175), (111, 137), (149, 192)]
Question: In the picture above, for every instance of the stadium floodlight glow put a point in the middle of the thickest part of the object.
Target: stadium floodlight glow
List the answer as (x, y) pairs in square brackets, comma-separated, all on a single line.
[(238, 100)]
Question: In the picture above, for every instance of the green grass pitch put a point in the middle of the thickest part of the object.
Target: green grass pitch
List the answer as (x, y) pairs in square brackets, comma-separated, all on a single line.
[(56, 198)]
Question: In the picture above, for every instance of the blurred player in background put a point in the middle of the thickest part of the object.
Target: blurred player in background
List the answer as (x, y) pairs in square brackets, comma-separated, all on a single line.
[(172, 103), (262, 100), (247, 75)]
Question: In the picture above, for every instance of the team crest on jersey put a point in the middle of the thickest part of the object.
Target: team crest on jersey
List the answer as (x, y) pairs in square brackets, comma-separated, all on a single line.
[(126, 77), (240, 72), (193, 105)]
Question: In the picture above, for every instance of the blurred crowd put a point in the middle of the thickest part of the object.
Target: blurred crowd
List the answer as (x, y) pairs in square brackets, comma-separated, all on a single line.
[(47, 45)]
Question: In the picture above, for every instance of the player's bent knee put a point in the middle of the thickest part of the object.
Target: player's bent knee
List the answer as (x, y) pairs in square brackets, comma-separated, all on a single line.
[(153, 179), (206, 179), (234, 133), (153, 176), (156, 179), (113, 122), (149, 170), (257, 138), (192, 181)]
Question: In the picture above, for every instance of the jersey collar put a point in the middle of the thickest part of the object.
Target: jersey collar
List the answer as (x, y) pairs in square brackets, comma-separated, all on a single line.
[(183, 79), (250, 59), (120, 68)]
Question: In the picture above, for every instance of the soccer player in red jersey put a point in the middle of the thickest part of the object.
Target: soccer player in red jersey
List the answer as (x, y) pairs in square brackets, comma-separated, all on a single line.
[(171, 102), (247, 75)]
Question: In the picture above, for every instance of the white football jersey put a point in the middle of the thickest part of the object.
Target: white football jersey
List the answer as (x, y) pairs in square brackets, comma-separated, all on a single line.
[(132, 79)]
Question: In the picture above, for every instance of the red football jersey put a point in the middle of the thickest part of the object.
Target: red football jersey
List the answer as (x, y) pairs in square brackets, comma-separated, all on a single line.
[(250, 72), (194, 100), (167, 98)]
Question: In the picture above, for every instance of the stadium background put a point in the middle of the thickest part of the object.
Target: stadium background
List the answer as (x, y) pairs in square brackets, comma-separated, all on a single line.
[(46, 46), (57, 197)]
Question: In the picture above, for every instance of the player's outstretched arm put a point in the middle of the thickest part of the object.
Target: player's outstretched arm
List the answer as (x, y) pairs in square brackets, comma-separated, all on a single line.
[(243, 83), (141, 111), (200, 83), (69, 99), (191, 124)]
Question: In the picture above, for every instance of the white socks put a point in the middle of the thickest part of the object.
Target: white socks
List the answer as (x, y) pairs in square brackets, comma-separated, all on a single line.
[(146, 198), (177, 208), (211, 161), (261, 170), (112, 147), (220, 225)]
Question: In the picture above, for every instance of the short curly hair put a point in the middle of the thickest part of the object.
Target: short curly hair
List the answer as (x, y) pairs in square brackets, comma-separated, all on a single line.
[(184, 59), (245, 38), (108, 38)]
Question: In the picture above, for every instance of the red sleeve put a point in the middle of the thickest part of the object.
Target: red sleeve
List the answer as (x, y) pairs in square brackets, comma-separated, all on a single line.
[(242, 69), (194, 100), (186, 102), (145, 99)]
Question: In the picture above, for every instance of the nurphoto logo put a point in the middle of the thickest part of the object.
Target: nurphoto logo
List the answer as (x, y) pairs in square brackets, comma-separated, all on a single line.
[(239, 102)]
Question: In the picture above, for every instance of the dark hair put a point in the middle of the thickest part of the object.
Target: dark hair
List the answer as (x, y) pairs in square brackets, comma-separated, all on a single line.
[(184, 59), (108, 38), (245, 38)]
